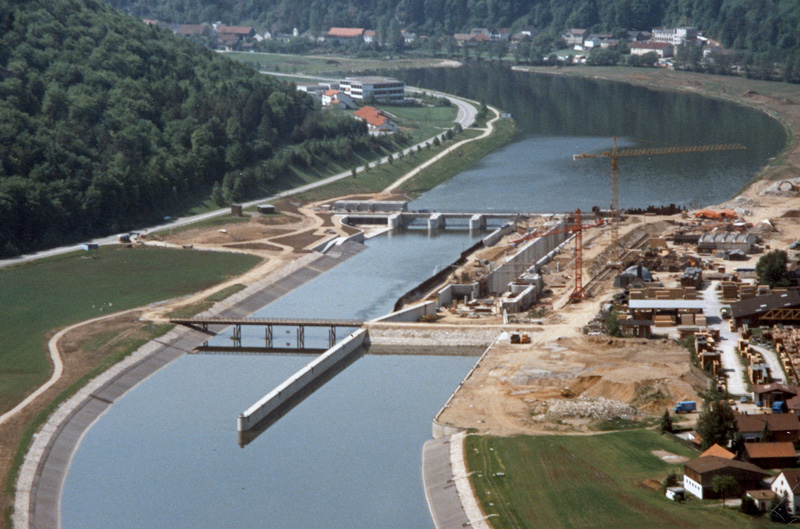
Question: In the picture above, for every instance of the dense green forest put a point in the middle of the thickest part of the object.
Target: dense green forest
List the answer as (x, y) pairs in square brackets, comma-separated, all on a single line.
[(106, 123), (757, 26)]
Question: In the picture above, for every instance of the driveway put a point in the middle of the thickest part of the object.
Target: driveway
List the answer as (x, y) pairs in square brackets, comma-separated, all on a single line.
[(731, 362)]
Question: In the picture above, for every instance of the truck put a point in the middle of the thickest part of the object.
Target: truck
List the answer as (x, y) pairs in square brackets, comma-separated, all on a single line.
[(686, 406)]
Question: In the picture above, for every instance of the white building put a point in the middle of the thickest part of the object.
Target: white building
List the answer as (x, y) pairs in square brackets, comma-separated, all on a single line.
[(675, 36), (382, 89), (787, 484)]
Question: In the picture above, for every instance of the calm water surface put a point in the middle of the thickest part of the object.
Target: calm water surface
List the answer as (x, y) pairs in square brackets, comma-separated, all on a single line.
[(166, 455)]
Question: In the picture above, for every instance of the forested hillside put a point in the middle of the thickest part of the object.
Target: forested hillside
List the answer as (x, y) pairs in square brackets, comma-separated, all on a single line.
[(106, 122), (765, 25)]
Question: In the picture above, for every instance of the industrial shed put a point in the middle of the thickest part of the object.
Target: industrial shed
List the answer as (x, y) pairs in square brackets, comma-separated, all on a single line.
[(726, 240)]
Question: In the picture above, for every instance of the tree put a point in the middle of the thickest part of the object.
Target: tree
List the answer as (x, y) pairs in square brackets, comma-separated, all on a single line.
[(778, 511), (670, 481), (716, 423), (666, 423), (612, 324), (723, 485), (771, 269), (749, 506)]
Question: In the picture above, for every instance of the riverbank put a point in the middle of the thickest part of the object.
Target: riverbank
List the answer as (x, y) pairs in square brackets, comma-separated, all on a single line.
[(780, 101)]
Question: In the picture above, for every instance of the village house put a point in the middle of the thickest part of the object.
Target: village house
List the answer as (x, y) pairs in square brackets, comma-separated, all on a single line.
[(662, 49), (770, 455), (193, 30), (574, 36), (344, 34), (787, 484), (698, 476), (762, 498), (469, 40), (675, 36), (718, 451), (370, 36), (336, 99), (378, 122), (783, 426)]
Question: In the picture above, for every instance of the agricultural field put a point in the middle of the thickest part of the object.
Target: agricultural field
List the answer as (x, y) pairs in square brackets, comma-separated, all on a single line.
[(608, 480), (43, 296)]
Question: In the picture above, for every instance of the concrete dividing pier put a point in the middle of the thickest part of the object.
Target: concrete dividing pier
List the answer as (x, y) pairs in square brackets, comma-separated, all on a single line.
[(477, 222), (436, 222), (294, 384)]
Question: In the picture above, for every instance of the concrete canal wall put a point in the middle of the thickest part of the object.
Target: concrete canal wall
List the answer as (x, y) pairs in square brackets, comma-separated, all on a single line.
[(411, 314), (294, 384)]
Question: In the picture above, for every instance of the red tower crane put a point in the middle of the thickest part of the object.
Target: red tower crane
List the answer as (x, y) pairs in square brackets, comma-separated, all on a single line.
[(578, 293)]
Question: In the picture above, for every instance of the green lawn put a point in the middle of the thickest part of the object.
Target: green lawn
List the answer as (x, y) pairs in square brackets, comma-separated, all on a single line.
[(51, 293), (584, 481), (464, 158)]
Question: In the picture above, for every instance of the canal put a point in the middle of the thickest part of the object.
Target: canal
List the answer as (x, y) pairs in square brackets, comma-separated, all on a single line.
[(166, 455)]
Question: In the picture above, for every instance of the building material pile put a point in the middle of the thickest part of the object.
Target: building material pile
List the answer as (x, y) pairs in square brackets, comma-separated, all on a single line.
[(587, 408)]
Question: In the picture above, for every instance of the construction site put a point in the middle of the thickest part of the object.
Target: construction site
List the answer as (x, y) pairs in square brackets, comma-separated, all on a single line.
[(590, 313)]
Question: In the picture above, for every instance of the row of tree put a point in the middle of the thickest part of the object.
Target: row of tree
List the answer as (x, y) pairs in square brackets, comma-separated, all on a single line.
[(764, 26), (106, 123)]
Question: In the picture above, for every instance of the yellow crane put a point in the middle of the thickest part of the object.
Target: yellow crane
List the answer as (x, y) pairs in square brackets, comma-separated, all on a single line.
[(615, 154)]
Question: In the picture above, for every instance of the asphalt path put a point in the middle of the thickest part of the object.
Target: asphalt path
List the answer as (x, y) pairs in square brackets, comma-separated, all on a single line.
[(728, 340), (465, 117)]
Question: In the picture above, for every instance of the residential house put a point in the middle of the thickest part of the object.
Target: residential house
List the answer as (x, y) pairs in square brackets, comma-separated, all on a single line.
[(370, 36), (662, 49), (408, 37), (345, 34), (378, 122), (481, 31), (336, 99), (193, 30), (469, 40), (638, 36), (762, 498), (718, 451), (698, 476), (574, 36), (787, 484), (770, 455), (500, 34), (783, 426), (240, 32), (599, 41)]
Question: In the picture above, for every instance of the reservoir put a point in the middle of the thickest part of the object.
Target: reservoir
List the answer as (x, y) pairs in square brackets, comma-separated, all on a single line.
[(166, 455)]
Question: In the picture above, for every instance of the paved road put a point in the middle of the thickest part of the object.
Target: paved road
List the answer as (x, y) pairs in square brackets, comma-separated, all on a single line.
[(466, 116), (772, 360), (731, 362)]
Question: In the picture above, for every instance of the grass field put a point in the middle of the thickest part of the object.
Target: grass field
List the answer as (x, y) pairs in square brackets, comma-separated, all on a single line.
[(584, 481), (48, 294), (464, 158)]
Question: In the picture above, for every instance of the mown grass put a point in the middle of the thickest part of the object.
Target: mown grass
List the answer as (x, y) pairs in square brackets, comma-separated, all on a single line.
[(379, 178), (196, 308), (39, 297), (464, 158), (586, 481), (221, 220)]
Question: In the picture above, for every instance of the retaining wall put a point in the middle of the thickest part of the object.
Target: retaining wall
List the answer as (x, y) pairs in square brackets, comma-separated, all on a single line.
[(528, 255), (453, 291), (496, 235), (411, 314), (291, 386)]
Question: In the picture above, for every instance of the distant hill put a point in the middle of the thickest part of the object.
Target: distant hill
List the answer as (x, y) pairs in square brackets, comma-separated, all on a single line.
[(106, 123), (764, 26)]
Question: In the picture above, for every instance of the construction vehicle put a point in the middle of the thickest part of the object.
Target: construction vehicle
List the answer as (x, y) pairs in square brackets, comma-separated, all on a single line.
[(615, 154)]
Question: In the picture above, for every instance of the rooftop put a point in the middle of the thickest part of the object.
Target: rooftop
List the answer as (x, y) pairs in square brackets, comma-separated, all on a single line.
[(763, 304), (719, 451), (777, 422), (711, 463), (673, 304), (345, 33), (769, 450)]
